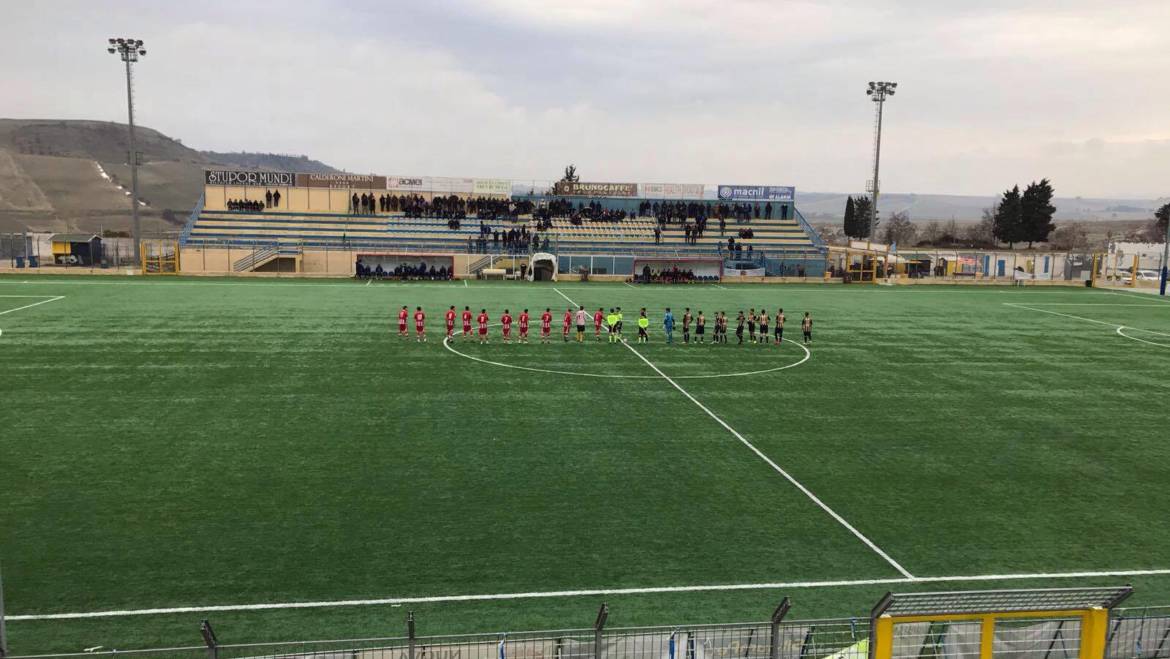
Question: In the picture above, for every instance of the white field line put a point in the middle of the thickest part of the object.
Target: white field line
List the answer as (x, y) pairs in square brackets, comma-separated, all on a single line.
[(1145, 296), (616, 376), (1065, 315), (1120, 329), (566, 297), (52, 298), (807, 492), (1092, 304), (1121, 332), (593, 592), (629, 284), (797, 484)]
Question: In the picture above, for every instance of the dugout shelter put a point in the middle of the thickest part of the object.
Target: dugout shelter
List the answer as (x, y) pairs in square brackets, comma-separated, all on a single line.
[(76, 248)]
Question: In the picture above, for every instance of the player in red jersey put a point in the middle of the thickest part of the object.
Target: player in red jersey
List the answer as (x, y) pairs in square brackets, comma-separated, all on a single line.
[(419, 318), (506, 321), (598, 319), (450, 321), (482, 319), (545, 325), (523, 327), (402, 316), (466, 322), (568, 322)]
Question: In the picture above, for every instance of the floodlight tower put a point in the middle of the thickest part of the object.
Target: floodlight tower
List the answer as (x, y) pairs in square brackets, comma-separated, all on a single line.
[(130, 50), (877, 92)]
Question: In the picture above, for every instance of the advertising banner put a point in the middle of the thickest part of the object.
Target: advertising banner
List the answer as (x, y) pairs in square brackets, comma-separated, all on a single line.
[(757, 193), (452, 185), (496, 187), (581, 189), (672, 190), (408, 183), (231, 177), (342, 181)]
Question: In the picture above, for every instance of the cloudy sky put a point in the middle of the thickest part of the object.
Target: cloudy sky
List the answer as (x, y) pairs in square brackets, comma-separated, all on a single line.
[(991, 92)]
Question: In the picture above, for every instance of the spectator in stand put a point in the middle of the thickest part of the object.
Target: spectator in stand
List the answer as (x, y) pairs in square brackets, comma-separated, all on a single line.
[(268, 198), (276, 199)]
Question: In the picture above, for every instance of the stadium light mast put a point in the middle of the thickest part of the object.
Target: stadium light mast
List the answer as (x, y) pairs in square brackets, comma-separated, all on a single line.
[(130, 50), (877, 92)]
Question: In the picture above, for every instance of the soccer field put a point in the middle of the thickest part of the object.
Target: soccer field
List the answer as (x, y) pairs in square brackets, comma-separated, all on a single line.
[(201, 442)]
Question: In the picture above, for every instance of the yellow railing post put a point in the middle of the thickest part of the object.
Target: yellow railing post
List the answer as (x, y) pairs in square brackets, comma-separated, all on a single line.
[(883, 638), (986, 637), (1094, 633)]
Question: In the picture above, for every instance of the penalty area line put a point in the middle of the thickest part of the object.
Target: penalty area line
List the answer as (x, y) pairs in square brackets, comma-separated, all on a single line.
[(594, 592)]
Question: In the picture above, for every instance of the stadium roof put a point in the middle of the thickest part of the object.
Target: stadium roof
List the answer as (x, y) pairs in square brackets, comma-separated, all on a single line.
[(74, 237), (1000, 601)]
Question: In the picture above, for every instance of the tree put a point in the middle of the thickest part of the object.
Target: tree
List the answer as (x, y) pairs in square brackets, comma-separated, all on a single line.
[(861, 228), (982, 233), (1161, 218), (1071, 236), (930, 233), (570, 175), (1036, 211), (1008, 223), (950, 234), (850, 224), (899, 229)]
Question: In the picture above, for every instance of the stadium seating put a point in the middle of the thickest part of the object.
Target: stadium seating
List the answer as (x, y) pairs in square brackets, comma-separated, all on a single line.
[(395, 232)]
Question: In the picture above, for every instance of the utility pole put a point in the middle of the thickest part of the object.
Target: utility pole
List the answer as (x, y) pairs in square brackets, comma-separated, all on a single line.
[(1165, 259), (130, 50), (877, 92)]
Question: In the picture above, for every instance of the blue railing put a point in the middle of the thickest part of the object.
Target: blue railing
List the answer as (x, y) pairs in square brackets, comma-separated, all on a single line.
[(191, 219), (812, 233)]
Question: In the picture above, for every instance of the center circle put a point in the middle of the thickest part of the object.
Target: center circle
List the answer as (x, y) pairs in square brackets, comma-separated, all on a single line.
[(807, 356)]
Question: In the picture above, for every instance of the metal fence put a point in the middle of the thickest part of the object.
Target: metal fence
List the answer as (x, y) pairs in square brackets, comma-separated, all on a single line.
[(1133, 634), (25, 250)]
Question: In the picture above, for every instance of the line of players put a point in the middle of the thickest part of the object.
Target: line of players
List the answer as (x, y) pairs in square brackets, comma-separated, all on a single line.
[(612, 323)]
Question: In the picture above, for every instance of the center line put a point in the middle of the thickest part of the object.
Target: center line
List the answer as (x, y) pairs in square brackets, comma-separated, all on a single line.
[(797, 484)]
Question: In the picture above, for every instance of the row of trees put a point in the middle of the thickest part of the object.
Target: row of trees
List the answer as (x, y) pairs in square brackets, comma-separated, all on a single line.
[(857, 217), (1018, 217), (1025, 217)]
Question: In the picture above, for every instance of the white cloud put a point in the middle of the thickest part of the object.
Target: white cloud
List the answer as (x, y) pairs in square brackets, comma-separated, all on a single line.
[(690, 90)]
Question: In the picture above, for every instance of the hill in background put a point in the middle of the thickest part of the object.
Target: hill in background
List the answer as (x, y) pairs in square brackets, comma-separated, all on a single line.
[(58, 175), (830, 207), (270, 161)]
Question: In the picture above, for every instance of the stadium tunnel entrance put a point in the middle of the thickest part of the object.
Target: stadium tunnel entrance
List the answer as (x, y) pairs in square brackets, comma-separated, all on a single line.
[(543, 267)]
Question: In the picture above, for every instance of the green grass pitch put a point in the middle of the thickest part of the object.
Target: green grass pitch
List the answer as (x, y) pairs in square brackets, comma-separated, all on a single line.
[(190, 442)]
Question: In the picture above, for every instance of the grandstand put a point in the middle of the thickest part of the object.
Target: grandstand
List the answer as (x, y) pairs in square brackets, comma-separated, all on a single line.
[(317, 214)]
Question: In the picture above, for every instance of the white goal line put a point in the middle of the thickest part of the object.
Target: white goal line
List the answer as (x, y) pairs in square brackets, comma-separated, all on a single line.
[(652, 590)]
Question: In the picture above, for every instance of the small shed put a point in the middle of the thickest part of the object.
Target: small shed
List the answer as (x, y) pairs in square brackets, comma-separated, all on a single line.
[(76, 248)]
